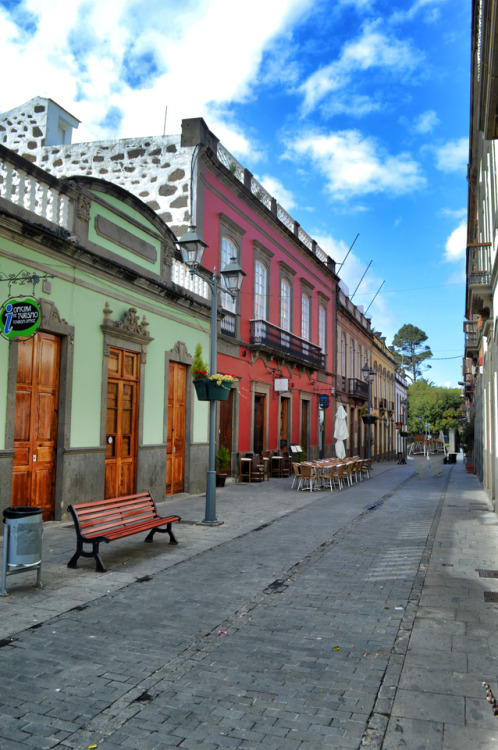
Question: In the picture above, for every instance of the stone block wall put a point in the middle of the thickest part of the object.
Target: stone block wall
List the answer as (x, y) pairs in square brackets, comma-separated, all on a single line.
[(156, 169), (23, 129)]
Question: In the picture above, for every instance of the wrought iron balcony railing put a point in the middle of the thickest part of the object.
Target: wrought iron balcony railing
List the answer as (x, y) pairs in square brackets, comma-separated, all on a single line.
[(228, 323), (271, 337), (357, 388), (479, 264), (471, 331)]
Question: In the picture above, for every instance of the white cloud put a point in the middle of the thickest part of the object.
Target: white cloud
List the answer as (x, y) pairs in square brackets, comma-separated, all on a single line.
[(453, 156), (278, 191), (372, 49), (355, 164), (426, 122), (429, 9), (135, 58), (456, 244)]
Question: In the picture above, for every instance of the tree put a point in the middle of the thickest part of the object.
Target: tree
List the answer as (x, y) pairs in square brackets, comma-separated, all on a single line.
[(409, 351), (441, 408)]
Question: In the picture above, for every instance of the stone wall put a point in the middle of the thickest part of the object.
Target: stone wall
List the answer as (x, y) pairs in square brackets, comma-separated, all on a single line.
[(23, 129), (155, 169)]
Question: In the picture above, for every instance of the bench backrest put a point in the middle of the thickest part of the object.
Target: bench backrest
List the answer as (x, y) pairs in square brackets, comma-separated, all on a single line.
[(118, 512)]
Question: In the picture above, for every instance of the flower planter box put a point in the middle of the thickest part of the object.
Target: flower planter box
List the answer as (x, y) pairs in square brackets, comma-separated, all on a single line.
[(221, 479), (369, 420), (200, 385), (470, 468), (209, 390)]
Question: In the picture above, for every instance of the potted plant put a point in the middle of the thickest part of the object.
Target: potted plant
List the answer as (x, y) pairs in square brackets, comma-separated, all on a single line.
[(222, 458), (367, 418), (209, 387), (200, 373)]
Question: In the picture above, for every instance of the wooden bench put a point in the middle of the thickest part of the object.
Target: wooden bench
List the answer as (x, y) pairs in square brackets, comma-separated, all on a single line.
[(106, 520)]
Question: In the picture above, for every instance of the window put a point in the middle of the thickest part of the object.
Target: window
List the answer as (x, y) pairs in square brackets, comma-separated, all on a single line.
[(322, 327), (285, 305), (260, 282), (305, 316), (227, 252), (343, 355), (285, 310)]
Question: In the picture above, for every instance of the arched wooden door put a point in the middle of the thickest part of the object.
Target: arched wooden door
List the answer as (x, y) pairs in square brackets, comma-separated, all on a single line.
[(36, 419)]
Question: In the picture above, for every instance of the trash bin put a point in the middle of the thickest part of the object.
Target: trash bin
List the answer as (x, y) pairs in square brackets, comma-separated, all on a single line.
[(22, 542)]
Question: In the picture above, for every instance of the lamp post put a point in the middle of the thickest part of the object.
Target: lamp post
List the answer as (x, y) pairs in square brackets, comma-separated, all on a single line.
[(368, 375), (404, 405), (192, 248)]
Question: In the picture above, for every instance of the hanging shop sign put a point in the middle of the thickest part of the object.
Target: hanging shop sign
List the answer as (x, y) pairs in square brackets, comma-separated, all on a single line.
[(324, 401), (20, 317)]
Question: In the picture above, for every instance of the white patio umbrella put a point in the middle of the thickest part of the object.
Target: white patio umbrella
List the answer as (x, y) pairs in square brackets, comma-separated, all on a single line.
[(341, 431)]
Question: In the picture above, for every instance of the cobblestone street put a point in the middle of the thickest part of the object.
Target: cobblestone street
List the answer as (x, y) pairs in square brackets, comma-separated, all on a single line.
[(307, 620)]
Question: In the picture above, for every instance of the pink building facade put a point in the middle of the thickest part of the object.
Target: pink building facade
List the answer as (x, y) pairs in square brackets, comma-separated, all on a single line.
[(278, 337)]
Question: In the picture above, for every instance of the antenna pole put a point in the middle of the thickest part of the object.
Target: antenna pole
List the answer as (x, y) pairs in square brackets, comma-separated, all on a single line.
[(348, 252), (351, 298)]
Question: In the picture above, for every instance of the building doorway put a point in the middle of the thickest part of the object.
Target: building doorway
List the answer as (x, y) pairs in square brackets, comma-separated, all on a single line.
[(36, 422), (259, 422), (304, 425), (284, 424), (175, 451), (226, 421), (121, 422)]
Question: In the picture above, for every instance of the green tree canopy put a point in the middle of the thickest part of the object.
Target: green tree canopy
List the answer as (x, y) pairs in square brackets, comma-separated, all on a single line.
[(410, 352), (440, 407)]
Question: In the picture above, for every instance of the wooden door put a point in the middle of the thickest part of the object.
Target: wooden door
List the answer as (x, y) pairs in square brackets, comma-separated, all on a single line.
[(304, 425), (259, 423), (177, 403), (121, 422), (226, 418), (284, 424), (35, 430)]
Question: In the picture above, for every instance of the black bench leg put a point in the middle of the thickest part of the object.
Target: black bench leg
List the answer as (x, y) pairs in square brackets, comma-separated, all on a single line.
[(167, 530), (80, 552)]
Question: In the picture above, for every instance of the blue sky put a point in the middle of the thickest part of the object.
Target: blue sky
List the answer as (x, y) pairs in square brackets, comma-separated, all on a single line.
[(353, 113)]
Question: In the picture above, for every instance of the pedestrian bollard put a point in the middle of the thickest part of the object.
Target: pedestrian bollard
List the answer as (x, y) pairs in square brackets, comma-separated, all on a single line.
[(22, 542)]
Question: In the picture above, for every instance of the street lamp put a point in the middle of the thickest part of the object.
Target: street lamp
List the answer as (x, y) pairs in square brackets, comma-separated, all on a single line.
[(368, 375), (192, 248)]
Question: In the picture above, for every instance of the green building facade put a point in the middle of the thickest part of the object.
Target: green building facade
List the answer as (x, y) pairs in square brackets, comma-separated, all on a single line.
[(99, 401)]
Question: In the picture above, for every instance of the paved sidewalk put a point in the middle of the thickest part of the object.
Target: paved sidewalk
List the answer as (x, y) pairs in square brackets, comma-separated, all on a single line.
[(306, 621)]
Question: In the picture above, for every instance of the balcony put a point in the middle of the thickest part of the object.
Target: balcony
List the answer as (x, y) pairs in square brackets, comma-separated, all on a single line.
[(471, 331), (358, 388), (275, 341), (340, 383), (228, 322), (479, 278), (469, 381)]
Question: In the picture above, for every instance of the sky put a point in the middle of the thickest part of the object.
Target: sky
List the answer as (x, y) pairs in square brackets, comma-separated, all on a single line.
[(354, 114)]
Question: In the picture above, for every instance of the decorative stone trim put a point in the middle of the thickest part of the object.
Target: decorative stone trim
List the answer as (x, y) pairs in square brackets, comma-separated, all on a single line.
[(83, 210), (130, 328)]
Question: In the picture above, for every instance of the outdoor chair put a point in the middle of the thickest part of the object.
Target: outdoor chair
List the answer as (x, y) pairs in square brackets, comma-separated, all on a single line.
[(308, 477), (365, 467), (296, 479), (349, 472), (326, 476), (339, 474)]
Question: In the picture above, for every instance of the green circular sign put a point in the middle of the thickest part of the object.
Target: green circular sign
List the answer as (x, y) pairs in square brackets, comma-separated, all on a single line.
[(20, 317)]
